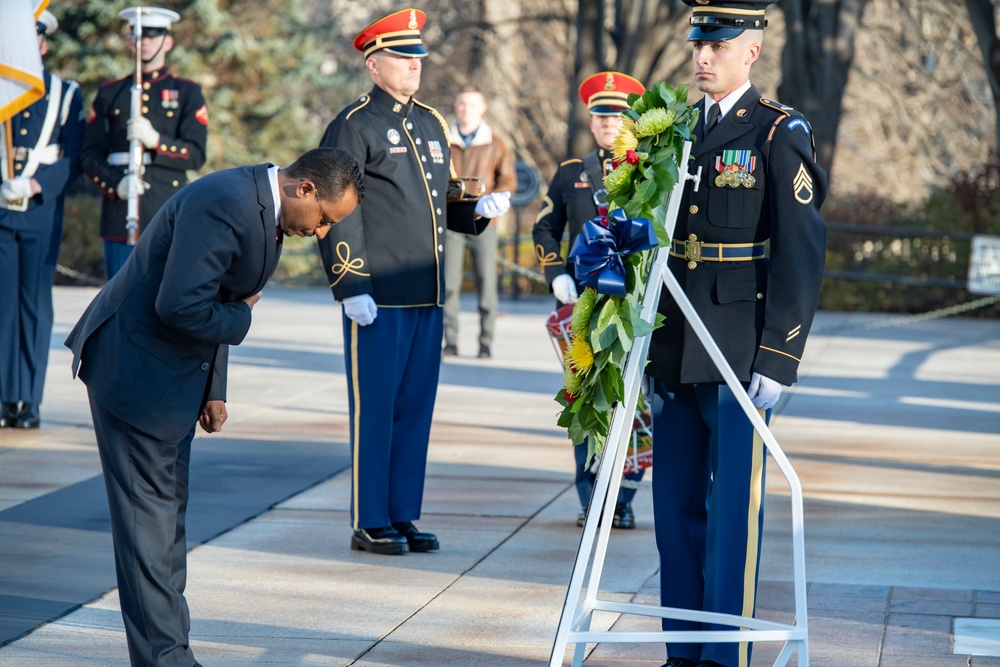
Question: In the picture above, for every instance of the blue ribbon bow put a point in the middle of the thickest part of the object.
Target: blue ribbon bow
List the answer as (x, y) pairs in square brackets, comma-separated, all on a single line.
[(598, 250)]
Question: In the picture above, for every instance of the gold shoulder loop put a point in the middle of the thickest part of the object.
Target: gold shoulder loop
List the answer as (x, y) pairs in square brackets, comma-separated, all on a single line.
[(361, 104), (571, 161), (777, 106), (444, 123)]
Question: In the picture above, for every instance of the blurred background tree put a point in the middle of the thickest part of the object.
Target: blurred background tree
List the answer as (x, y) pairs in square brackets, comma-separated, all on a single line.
[(901, 91)]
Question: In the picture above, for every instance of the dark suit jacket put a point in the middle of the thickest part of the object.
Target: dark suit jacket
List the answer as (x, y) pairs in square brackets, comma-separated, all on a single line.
[(759, 312), (153, 343)]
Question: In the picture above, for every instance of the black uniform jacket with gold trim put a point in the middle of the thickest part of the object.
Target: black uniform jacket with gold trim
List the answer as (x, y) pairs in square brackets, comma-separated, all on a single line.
[(569, 201), (176, 108), (392, 246), (758, 311)]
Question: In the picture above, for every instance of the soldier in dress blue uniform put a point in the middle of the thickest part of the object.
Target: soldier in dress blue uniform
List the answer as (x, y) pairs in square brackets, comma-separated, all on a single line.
[(46, 150), (572, 199), (748, 250), (387, 267), (173, 129)]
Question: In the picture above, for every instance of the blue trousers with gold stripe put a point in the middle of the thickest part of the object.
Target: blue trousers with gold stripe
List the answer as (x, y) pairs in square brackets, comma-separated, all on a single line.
[(392, 370), (708, 506)]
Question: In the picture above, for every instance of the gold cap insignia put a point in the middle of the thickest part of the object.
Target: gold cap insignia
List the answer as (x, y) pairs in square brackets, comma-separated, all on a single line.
[(741, 113), (609, 81), (412, 25)]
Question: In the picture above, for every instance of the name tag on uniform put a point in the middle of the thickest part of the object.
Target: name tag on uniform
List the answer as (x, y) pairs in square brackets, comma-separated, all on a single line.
[(397, 149), (578, 184)]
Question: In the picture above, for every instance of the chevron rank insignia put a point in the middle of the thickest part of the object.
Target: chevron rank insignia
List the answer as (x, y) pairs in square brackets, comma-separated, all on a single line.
[(802, 185)]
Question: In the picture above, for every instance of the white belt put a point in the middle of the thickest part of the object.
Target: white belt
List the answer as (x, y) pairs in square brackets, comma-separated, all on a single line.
[(48, 155), (122, 159)]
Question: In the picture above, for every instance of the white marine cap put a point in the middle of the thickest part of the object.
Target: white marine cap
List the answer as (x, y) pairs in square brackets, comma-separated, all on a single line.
[(152, 17), (46, 23)]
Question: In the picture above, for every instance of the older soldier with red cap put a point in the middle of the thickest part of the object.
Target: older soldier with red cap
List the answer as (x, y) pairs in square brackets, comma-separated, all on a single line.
[(387, 267), (172, 127), (574, 195), (748, 250)]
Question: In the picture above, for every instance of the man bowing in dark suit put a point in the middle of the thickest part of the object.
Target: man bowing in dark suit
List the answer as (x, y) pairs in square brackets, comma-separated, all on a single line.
[(152, 349)]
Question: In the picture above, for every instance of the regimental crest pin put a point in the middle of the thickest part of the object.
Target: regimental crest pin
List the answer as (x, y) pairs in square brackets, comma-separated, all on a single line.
[(584, 178), (609, 81), (412, 25), (393, 136), (802, 185)]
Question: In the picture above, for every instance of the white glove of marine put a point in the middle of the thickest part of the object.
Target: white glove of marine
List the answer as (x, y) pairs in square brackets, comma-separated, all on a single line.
[(493, 205), (763, 391), (140, 128), (125, 185), (361, 309), (16, 188), (564, 289)]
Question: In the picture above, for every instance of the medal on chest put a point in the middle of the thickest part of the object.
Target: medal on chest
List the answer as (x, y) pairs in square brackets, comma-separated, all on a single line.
[(170, 99), (735, 169), (437, 154)]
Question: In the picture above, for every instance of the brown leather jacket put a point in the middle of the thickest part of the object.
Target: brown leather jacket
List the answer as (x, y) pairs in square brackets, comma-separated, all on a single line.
[(487, 157)]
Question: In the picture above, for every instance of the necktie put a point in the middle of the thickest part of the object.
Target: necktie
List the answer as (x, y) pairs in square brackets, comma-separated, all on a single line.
[(713, 117)]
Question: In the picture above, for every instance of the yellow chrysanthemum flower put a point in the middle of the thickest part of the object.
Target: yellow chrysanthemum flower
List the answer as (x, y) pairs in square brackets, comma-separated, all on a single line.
[(571, 381), (579, 356), (653, 122), (624, 142), (582, 311), (619, 179)]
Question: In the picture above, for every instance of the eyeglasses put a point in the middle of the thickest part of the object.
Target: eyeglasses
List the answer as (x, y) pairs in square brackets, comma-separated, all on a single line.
[(323, 220)]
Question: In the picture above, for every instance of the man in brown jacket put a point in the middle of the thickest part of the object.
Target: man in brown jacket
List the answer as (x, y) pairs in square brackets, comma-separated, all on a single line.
[(476, 151)]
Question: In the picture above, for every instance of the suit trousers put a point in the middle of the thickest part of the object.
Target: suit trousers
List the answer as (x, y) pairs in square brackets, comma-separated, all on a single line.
[(147, 484), (392, 368), (484, 263), (27, 269), (708, 508)]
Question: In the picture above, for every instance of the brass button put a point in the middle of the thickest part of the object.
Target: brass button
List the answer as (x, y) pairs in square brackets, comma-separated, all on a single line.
[(146, 85), (27, 114), (760, 295), (170, 114), (103, 184), (693, 209), (23, 131), (184, 151), (176, 183), (145, 109), (118, 112), (692, 265), (145, 97), (163, 147), (173, 149)]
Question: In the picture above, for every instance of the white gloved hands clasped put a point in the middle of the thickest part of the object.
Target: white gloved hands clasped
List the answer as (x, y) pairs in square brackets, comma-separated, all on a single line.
[(564, 289), (493, 205), (763, 391), (142, 130), (16, 188), (361, 309), (125, 186)]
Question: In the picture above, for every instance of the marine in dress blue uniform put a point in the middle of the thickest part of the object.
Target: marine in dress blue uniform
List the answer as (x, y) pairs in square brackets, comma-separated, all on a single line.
[(46, 149), (387, 267), (175, 144), (153, 348), (748, 250), (572, 199)]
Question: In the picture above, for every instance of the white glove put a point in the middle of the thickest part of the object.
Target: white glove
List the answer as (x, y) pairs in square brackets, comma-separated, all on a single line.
[(140, 128), (493, 205), (763, 391), (125, 185), (564, 289), (16, 188), (361, 309)]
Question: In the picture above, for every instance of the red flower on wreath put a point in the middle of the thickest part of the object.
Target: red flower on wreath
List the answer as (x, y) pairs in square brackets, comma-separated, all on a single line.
[(631, 157)]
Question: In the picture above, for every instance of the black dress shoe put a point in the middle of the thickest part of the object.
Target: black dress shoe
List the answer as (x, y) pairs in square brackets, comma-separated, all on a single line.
[(484, 352), (378, 541), (450, 351), (581, 518), (419, 542), (28, 417), (679, 662), (623, 516), (8, 415)]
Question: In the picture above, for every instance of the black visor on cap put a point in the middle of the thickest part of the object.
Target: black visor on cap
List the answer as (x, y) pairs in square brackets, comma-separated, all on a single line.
[(154, 32), (705, 33), (39, 27), (408, 50), (606, 110)]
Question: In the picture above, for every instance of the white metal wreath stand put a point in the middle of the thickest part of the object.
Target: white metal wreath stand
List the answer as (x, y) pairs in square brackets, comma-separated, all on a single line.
[(581, 603)]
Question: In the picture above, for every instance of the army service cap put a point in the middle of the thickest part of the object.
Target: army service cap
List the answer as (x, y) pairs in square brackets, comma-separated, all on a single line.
[(46, 23), (606, 93), (155, 21), (397, 33), (722, 20)]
